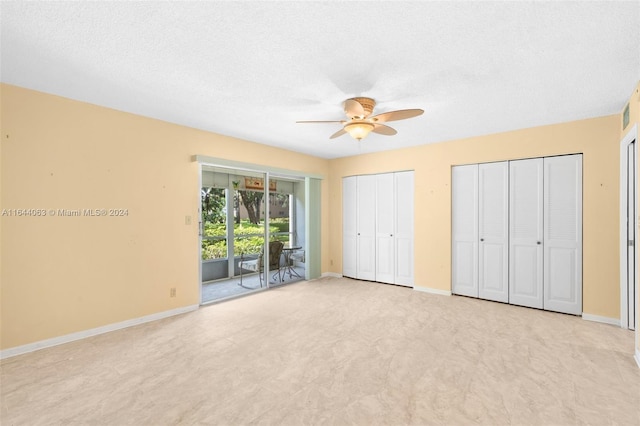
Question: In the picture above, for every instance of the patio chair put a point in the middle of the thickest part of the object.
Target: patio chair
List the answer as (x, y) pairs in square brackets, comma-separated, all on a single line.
[(257, 265), (296, 256)]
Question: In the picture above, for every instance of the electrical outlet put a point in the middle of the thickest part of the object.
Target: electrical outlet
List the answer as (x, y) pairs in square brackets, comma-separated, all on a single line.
[(187, 220), (331, 262), (172, 292)]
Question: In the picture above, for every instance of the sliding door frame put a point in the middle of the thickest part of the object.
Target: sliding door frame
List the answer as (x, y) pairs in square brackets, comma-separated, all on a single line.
[(312, 185)]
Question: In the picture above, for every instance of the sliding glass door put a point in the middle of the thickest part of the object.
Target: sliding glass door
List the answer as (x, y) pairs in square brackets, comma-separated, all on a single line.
[(244, 212)]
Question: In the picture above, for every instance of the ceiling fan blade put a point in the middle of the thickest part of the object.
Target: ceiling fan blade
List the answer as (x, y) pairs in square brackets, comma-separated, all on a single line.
[(353, 109), (400, 114), (337, 134), (320, 121), (384, 130)]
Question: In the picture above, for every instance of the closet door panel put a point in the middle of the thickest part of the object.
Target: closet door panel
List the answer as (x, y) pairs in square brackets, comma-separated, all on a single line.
[(563, 234), (526, 232), (563, 283), (404, 265), (464, 222), (366, 258), (366, 225), (349, 227), (384, 260), (385, 224), (492, 274), (493, 253), (403, 233)]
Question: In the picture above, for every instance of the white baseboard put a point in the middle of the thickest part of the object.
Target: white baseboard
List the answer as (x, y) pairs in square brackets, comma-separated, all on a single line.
[(598, 318), (55, 341), (637, 357), (331, 274), (433, 291)]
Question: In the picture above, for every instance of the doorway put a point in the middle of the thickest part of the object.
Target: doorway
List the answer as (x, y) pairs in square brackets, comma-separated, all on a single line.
[(628, 230)]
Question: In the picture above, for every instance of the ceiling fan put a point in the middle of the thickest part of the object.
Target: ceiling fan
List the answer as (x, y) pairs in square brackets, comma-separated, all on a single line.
[(361, 122)]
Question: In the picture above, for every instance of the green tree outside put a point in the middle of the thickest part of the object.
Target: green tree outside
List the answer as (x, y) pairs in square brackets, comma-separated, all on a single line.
[(248, 233)]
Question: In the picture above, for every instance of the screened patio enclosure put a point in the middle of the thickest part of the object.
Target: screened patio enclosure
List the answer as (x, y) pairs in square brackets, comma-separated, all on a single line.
[(242, 209)]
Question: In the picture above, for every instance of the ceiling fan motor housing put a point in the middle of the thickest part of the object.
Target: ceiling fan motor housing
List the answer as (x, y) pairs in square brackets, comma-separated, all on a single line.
[(367, 104)]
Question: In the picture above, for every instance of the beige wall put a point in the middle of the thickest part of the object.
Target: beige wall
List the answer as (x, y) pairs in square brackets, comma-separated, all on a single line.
[(61, 275), (597, 139), (67, 274)]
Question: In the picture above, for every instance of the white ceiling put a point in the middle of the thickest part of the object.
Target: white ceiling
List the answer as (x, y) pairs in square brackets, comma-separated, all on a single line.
[(251, 69)]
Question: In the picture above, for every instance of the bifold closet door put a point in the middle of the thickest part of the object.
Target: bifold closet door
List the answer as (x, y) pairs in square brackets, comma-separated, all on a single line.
[(349, 227), (366, 227), (493, 230), (563, 234), (403, 234), (377, 213), (394, 228), (526, 232), (385, 228), (464, 224)]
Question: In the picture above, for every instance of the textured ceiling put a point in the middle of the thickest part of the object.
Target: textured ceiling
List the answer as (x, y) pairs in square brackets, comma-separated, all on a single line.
[(251, 69)]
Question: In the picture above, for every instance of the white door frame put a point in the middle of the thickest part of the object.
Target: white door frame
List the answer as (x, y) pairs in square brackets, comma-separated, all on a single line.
[(632, 135)]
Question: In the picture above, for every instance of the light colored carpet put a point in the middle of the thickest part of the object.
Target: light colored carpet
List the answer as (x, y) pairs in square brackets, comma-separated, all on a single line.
[(335, 351)]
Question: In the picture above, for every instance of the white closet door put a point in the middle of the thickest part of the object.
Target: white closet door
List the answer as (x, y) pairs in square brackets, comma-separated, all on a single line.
[(385, 221), (366, 225), (563, 234), (631, 236), (349, 227), (464, 223), (493, 251), (403, 234), (525, 232)]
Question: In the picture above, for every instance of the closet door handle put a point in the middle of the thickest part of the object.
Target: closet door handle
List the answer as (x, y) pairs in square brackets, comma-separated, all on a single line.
[(391, 235), (481, 239), (538, 242)]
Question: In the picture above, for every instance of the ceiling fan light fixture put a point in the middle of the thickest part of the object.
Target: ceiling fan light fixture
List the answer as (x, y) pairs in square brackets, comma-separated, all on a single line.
[(359, 130), (360, 122)]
